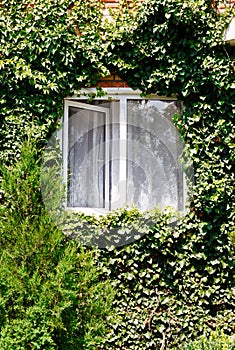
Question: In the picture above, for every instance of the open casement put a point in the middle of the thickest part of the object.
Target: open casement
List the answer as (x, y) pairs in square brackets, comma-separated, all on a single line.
[(86, 155), (122, 151)]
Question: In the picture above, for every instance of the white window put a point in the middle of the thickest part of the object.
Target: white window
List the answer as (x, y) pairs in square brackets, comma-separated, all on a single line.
[(122, 150)]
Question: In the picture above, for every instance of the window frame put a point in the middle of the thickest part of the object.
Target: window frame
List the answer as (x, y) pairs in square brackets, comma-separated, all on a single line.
[(68, 103), (112, 94)]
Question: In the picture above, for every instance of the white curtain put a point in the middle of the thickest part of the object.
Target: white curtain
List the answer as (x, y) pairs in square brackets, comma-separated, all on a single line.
[(154, 173), (86, 158), (93, 159)]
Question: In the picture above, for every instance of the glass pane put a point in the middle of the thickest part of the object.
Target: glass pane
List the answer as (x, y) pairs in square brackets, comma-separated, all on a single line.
[(154, 172), (113, 140), (86, 158)]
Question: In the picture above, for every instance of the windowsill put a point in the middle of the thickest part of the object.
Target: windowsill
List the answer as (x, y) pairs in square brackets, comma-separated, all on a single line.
[(88, 211)]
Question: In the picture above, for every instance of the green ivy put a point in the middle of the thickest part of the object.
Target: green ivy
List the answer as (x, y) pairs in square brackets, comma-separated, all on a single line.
[(49, 50), (171, 285), (217, 340)]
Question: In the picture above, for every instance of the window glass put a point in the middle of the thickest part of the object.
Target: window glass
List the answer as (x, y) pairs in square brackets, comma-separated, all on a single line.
[(154, 172), (123, 152), (86, 158)]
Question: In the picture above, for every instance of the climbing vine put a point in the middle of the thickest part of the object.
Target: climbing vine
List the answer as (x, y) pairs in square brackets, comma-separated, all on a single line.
[(49, 50)]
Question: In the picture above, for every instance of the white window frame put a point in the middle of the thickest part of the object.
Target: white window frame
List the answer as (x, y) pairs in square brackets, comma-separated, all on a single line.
[(122, 95), (68, 103)]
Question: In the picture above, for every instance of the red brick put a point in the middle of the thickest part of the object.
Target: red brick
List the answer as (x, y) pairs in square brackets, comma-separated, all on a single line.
[(106, 84), (118, 84)]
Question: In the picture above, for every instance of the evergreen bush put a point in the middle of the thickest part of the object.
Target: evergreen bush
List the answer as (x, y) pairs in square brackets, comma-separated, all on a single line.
[(52, 294)]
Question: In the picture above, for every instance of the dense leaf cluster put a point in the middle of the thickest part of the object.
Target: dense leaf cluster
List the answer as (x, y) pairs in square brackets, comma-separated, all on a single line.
[(48, 50), (172, 284), (175, 48), (216, 341)]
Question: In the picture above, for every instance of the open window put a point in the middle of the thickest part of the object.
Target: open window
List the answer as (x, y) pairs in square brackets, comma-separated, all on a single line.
[(122, 151)]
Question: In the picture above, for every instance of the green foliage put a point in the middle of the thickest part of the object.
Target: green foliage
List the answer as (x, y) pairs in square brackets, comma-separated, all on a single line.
[(232, 235), (217, 340), (174, 282), (173, 47), (49, 49), (52, 294), (118, 228), (171, 285)]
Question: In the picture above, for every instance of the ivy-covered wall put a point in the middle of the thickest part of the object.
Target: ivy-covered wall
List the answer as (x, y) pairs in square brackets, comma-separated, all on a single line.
[(174, 282)]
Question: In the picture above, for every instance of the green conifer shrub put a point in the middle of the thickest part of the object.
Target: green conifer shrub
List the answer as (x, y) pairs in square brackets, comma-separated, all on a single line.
[(52, 295)]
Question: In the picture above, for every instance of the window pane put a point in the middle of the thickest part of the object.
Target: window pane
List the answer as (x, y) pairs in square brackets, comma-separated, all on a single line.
[(86, 158), (113, 142), (154, 173)]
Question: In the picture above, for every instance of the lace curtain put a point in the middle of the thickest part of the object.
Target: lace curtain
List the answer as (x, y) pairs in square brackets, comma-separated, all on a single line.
[(153, 172)]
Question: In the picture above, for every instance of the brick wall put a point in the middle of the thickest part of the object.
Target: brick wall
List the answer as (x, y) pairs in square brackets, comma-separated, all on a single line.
[(112, 80)]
